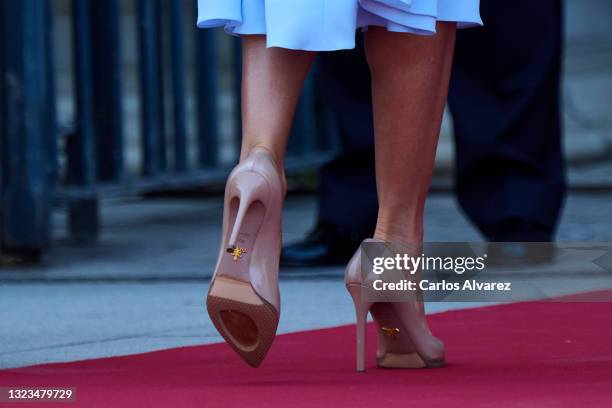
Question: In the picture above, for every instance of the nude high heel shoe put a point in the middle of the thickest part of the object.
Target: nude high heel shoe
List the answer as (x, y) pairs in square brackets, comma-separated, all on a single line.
[(404, 338), (243, 298)]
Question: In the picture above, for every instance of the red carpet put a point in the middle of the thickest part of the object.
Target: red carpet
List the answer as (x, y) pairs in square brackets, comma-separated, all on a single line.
[(537, 354)]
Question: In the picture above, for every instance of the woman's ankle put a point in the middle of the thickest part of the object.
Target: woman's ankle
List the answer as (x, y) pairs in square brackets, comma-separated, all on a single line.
[(247, 150), (274, 157), (395, 235)]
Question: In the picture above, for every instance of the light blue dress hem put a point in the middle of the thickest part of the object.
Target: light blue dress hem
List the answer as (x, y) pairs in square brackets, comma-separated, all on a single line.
[(299, 25)]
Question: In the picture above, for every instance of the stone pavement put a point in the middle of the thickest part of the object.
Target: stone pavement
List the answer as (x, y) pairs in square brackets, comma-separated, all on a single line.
[(142, 287)]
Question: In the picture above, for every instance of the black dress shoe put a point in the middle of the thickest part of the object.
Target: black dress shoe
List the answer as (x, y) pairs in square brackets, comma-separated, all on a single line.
[(324, 246), (520, 253), (518, 242)]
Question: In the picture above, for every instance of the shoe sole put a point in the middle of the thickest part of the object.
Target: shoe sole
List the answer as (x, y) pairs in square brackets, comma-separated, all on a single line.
[(406, 360), (246, 321)]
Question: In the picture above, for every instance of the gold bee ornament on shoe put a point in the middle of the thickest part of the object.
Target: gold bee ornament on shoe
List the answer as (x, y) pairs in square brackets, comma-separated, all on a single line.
[(236, 252), (390, 331)]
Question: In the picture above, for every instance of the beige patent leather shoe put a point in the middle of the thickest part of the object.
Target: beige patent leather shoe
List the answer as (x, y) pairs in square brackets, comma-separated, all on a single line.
[(243, 298), (404, 338)]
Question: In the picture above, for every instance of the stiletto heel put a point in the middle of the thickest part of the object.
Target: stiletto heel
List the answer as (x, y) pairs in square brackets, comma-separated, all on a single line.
[(404, 339), (361, 314), (243, 299), (248, 188)]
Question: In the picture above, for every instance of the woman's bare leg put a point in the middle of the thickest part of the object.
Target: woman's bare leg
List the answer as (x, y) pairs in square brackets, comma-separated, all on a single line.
[(410, 75), (272, 80)]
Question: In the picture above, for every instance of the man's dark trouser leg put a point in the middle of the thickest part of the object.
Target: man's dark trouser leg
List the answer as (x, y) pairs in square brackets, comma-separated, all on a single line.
[(347, 192), (348, 205), (504, 97)]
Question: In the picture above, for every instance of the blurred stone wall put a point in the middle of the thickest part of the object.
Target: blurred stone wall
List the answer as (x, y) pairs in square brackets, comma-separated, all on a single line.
[(587, 85)]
